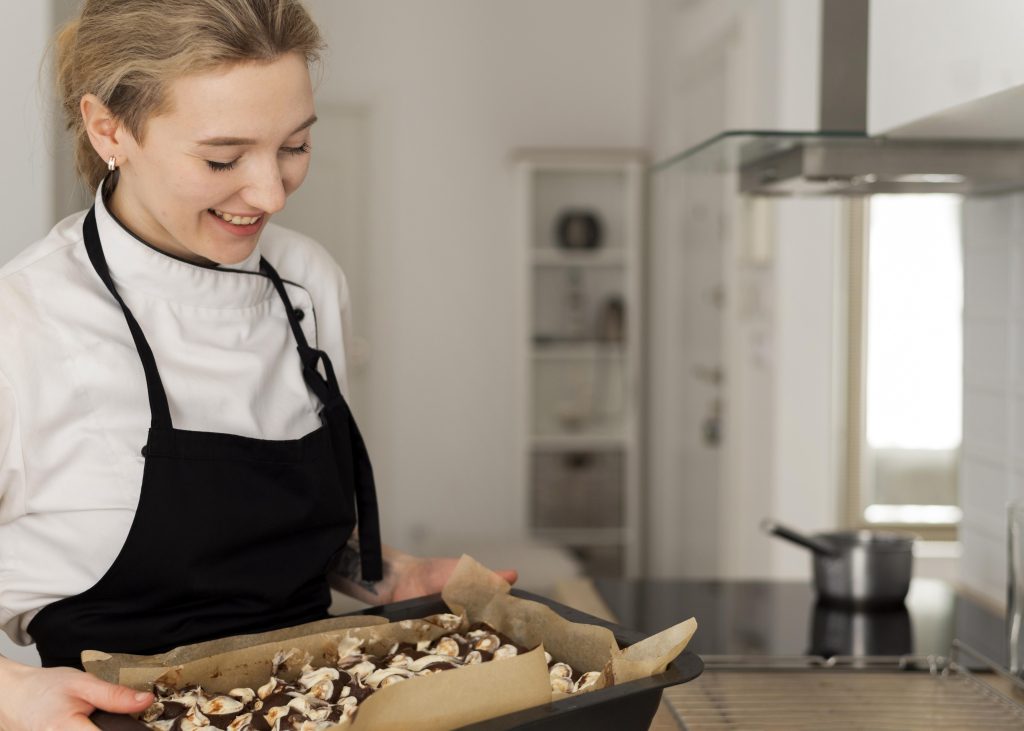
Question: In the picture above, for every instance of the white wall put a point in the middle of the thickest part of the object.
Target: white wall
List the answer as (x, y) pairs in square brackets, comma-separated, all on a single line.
[(737, 64), (26, 182), (451, 87), (992, 466), (808, 341), (770, 51), (927, 57), (25, 186), (782, 449)]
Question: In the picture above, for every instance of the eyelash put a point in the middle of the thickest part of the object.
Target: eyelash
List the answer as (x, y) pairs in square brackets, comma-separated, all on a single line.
[(302, 149)]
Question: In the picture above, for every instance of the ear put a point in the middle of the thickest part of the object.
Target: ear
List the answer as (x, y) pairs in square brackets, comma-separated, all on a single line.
[(105, 132)]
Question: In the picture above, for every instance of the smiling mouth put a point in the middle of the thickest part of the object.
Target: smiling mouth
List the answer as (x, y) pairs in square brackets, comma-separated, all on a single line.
[(236, 220)]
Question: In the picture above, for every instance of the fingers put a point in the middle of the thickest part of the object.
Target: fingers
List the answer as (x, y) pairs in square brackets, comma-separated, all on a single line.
[(60, 698), (509, 575), (78, 723), (110, 697)]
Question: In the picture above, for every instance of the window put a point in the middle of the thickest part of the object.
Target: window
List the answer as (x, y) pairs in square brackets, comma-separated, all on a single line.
[(907, 382)]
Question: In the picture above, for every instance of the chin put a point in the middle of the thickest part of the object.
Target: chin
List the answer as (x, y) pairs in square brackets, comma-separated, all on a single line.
[(217, 253), (234, 257)]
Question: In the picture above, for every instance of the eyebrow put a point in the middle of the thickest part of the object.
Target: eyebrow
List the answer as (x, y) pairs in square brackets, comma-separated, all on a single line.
[(238, 141)]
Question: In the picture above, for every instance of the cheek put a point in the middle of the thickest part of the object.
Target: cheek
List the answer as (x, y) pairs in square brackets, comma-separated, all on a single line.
[(196, 193), (293, 175)]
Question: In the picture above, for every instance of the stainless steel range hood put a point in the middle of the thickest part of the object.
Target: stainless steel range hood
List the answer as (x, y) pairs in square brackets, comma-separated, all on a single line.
[(852, 166), (840, 158)]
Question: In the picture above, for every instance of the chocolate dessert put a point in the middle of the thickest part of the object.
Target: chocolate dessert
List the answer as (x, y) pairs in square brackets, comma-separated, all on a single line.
[(320, 698)]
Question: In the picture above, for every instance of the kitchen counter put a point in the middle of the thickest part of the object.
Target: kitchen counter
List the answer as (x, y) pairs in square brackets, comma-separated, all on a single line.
[(784, 618)]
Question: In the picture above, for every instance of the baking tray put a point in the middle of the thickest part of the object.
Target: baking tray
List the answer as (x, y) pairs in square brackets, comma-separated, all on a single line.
[(622, 707)]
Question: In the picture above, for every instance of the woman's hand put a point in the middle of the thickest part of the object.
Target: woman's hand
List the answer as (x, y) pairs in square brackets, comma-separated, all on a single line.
[(405, 576), (421, 576), (52, 699)]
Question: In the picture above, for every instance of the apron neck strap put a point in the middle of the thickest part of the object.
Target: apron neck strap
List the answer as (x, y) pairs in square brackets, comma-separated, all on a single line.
[(325, 384), (160, 412)]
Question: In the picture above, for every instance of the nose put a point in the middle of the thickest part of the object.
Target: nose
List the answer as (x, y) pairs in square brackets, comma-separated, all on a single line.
[(265, 190)]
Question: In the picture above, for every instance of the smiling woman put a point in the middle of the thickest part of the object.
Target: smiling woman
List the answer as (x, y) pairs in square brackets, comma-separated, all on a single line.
[(192, 190), (162, 391)]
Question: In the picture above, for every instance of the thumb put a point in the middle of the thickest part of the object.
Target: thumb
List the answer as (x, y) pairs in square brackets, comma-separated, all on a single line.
[(114, 698)]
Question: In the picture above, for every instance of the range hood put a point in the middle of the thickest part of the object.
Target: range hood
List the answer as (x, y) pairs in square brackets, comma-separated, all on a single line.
[(837, 165), (841, 159)]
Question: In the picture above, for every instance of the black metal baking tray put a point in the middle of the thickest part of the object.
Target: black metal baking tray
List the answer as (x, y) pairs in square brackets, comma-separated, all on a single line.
[(622, 707), (617, 708)]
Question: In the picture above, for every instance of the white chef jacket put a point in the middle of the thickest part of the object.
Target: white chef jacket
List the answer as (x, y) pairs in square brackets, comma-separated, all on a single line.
[(74, 410)]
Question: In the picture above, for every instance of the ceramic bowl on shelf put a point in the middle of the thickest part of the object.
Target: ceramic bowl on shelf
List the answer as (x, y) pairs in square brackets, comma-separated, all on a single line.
[(578, 229)]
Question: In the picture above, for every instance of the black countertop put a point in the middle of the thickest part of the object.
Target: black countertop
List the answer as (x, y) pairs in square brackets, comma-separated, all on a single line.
[(784, 618)]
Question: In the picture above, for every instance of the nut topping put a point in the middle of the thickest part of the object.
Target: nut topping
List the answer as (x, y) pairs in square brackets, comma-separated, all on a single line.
[(241, 723), (487, 643), (153, 713), (586, 681), (560, 670), (246, 695), (329, 696), (324, 689), (376, 679), (561, 685), (446, 646), (447, 622), (427, 661), (274, 685), (311, 677), (505, 651), (220, 705)]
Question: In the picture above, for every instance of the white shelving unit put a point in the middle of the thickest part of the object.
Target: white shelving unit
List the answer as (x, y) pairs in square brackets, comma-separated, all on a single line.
[(583, 349)]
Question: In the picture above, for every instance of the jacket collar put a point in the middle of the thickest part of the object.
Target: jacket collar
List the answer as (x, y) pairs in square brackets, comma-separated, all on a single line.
[(138, 266)]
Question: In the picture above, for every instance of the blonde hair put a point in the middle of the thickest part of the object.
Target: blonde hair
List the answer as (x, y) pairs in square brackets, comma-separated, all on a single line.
[(127, 52)]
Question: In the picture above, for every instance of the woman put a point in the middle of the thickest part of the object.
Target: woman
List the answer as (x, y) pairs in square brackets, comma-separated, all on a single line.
[(177, 461)]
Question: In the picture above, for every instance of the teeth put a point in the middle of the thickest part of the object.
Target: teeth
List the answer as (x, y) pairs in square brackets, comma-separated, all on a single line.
[(236, 220)]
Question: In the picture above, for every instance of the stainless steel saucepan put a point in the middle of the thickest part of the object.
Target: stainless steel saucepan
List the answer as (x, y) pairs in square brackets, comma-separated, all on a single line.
[(863, 568)]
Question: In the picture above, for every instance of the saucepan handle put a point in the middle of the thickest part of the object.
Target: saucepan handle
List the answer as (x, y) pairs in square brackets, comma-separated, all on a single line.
[(819, 546)]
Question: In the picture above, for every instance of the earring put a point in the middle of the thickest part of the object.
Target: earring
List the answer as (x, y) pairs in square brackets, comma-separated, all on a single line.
[(111, 163)]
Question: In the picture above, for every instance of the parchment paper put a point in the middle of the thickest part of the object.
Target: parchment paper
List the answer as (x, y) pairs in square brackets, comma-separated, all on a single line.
[(435, 702)]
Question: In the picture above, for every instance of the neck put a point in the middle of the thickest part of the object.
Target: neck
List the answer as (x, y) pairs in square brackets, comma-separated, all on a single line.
[(115, 200)]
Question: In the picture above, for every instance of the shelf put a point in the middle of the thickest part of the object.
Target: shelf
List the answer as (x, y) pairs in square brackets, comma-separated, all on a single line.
[(580, 304), (548, 256), (581, 348), (578, 442)]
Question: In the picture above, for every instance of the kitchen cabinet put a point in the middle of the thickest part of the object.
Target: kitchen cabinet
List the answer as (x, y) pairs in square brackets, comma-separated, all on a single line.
[(945, 67), (581, 216)]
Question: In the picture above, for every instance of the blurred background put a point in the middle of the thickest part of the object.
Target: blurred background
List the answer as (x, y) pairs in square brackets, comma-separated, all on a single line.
[(595, 335)]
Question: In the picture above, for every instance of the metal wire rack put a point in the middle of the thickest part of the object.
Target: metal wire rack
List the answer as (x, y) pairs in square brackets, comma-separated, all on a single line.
[(902, 694)]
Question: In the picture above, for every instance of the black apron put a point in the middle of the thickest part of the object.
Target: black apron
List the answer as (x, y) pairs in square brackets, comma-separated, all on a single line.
[(232, 535)]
